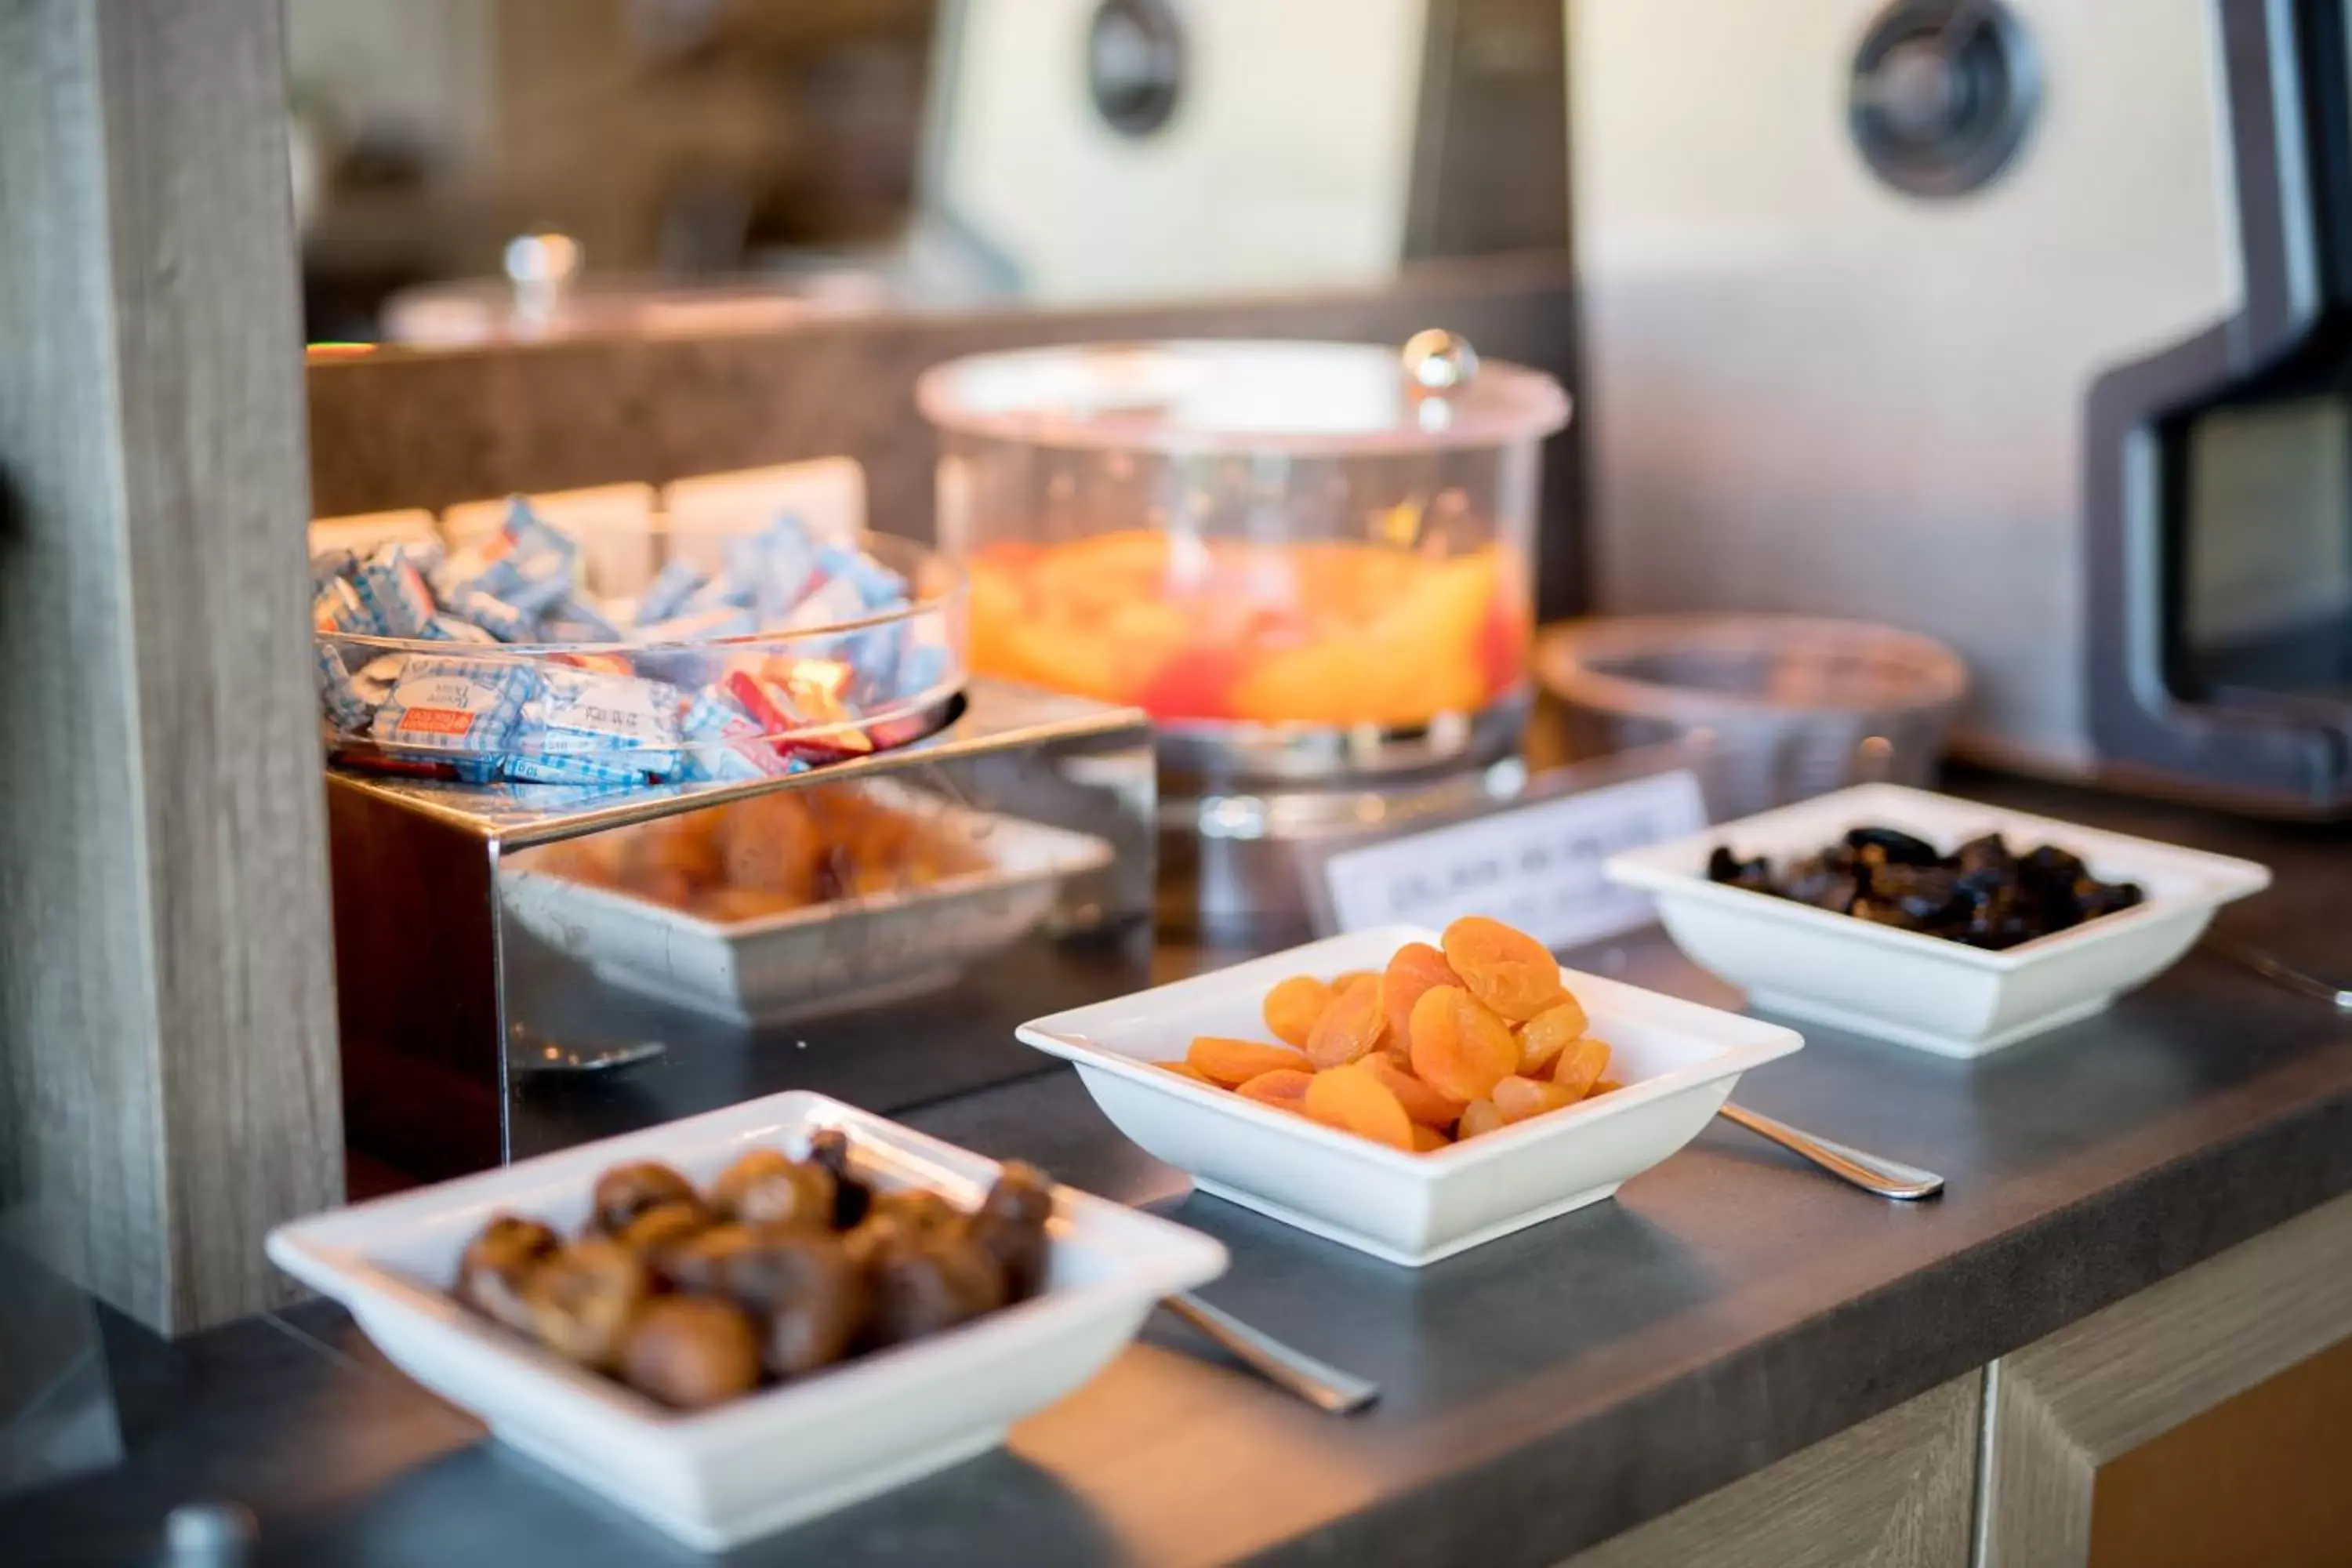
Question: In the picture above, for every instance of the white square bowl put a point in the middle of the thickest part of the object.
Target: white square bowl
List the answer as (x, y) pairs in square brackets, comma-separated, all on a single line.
[(1678, 1061), (715, 1477), (1923, 991)]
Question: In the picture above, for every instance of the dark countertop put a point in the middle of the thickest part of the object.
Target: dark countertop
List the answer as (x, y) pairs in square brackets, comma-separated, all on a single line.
[(1543, 1391)]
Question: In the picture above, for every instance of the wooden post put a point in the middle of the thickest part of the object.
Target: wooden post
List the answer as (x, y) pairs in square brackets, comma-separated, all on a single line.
[(168, 1069)]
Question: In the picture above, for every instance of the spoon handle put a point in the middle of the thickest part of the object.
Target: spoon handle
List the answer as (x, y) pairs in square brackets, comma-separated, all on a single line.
[(1871, 1172), (1320, 1384)]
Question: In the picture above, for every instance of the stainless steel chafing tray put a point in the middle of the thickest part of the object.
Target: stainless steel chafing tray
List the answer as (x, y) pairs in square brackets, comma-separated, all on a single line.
[(490, 1012)]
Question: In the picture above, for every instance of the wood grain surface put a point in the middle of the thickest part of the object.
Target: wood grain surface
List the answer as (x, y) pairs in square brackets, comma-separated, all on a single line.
[(2067, 1405), (167, 1053), (1895, 1492), (410, 428)]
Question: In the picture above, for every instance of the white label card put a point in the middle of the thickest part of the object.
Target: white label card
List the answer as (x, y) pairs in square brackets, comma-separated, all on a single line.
[(1536, 867)]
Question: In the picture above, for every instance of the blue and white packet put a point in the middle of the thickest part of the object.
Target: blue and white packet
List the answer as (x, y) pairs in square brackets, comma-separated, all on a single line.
[(338, 607), (345, 708), (502, 620), (329, 565), (582, 711), (459, 703), (667, 593), (391, 586), (556, 768), (534, 564), (573, 619), (449, 628), (779, 562)]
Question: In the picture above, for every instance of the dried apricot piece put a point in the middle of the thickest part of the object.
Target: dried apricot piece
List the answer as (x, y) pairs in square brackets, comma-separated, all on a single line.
[(1606, 1085), (1519, 1098), (1352, 1099), (1424, 1104), (1352, 1025), (1293, 1005), (1508, 969), (1184, 1070), (1549, 1033), (1580, 1065), (1232, 1062), (1285, 1089), (1429, 1140), (1413, 969), (1460, 1049), (1479, 1118)]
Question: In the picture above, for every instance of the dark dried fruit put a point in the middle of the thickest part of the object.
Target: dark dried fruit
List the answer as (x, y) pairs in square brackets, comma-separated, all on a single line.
[(923, 1285), (852, 1195), (918, 1211), (497, 1267), (583, 1299), (691, 1352), (658, 1229), (624, 1191), (777, 1191), (1982, 893), (1890, 847)]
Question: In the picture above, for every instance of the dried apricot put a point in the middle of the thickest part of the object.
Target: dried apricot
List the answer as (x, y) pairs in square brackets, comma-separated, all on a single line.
[(1459, 1047), (1519, 1098), (1479, 1118), (1341, 982), (1424, 1104), (1285, 1089), (1352, 1025), (1580, 1065), (1606, 1085), (1415, 967), (1184, 1070), (1292, 1008), (1549, 1033), (1429, 1140), (1508, 969), (1232, 1062), (1352, 1099)]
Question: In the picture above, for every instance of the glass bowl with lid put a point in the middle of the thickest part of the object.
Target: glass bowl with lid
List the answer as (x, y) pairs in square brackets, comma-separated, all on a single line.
[(1242, 536)]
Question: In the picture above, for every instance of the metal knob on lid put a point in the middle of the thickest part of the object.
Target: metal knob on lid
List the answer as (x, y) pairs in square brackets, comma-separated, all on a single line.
[(1436, 361), (543, 268)]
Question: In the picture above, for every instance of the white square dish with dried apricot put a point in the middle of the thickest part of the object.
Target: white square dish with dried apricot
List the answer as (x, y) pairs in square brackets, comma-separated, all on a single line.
[(1410, 1094)]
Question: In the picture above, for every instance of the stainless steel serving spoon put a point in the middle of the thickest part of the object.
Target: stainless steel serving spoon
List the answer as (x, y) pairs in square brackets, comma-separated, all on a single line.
[(1872, 1172), (2282, 973), (1321, 1384)]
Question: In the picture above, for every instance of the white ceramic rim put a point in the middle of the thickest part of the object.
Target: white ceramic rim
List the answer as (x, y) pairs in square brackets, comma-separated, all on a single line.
[(2223, 878), (344, 1272), (1259, 974)]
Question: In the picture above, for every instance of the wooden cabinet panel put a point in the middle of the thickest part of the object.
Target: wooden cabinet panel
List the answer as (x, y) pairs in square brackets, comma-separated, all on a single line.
[(1895, 1492), (2264, 1476), (2106, 1392)]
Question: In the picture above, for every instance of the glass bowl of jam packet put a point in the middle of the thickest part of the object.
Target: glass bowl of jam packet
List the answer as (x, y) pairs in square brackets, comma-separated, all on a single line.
[(781, 651)]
